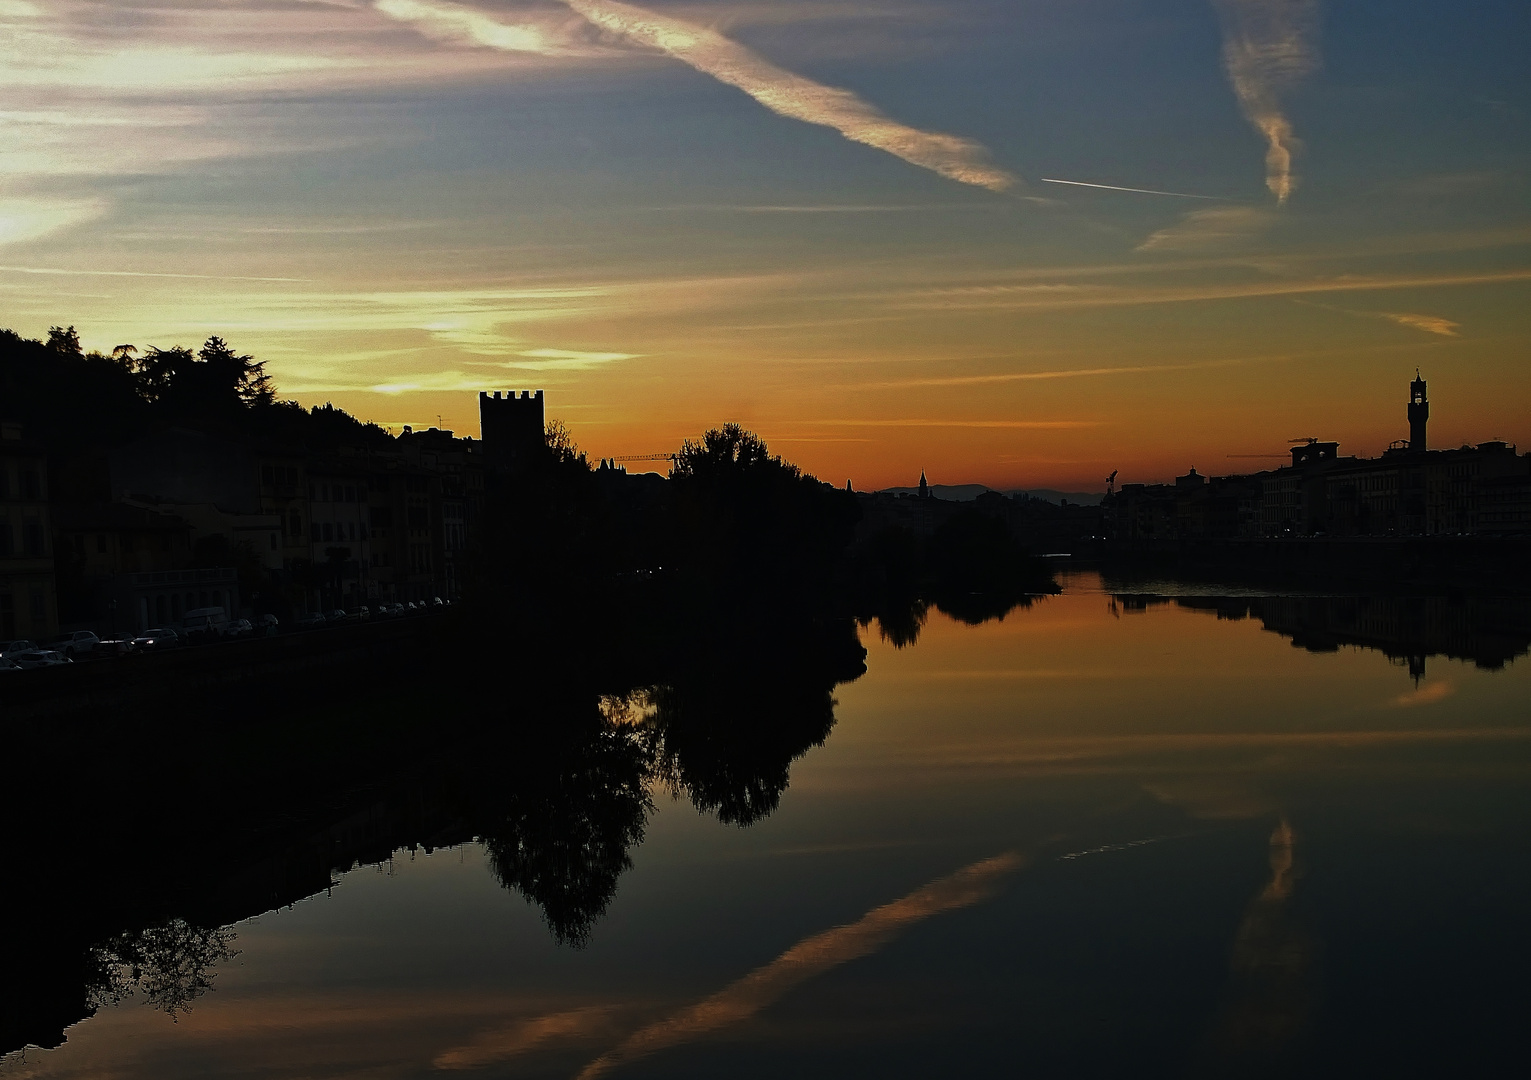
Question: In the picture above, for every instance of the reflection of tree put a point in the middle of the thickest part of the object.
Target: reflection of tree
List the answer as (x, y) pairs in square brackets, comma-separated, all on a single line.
[(727, 726), (560, 831), (730, 747), (170, 964)]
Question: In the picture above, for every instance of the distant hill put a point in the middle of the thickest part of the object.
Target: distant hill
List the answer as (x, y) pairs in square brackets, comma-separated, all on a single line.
[(969, 492)]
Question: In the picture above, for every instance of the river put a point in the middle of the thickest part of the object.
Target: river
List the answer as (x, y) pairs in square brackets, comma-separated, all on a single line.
[(1147, 831)]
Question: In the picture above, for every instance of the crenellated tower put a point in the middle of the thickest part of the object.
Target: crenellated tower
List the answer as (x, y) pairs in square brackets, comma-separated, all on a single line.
[(512, 427)]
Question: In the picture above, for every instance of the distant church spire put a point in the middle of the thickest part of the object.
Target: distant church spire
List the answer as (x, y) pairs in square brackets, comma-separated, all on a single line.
[(924, 487)]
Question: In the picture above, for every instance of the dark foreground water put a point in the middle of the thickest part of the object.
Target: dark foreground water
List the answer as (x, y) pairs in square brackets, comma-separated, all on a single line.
[(1109, 835)]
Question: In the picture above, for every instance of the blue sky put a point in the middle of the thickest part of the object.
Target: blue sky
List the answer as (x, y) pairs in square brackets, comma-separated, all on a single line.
[(402, 202)]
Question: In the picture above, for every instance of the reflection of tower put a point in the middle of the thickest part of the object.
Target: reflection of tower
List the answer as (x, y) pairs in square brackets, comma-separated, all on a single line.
[(1419, 413), (924, 487)]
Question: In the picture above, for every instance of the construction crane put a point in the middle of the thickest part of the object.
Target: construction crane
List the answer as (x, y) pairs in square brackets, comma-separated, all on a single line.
[(1111, 481)]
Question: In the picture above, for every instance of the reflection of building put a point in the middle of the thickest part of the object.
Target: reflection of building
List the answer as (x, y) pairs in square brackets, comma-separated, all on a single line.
[(1490, 632), (1408, 491), (28, 605)]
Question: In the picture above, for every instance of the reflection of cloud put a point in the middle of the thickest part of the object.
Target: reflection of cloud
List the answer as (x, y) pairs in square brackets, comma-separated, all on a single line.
[(1269, 996), (1266, 49), (793, 96), (1200, 230), (504, 1043), (1428, 694), (808, 958)]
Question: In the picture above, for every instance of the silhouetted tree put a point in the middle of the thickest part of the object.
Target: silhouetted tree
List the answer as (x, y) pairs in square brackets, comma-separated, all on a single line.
[(752, 523)]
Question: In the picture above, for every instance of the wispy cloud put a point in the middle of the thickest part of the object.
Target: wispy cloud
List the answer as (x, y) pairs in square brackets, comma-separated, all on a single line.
[(794, 96), (809, 958), (453, 22), (1430, 324), (1042, 425), (31, 219), (1268, 48), (1205, 230)]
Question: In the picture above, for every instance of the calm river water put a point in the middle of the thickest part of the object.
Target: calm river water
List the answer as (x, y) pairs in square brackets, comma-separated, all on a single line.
[(1107, 835)]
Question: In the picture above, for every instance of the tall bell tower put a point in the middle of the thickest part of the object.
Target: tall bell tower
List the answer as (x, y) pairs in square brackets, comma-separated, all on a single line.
[(1419, 413)]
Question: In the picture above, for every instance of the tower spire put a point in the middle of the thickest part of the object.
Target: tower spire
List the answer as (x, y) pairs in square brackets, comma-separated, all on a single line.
[(1419, 413)]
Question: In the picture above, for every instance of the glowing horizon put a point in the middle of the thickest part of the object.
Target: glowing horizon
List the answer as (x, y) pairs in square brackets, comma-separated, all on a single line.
[(803, 218)]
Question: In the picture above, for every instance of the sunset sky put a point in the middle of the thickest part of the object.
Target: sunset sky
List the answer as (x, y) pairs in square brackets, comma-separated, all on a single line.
[(832, 221)]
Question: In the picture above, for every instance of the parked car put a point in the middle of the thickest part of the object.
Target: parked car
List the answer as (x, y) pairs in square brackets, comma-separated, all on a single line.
[(392, 610), (71, 645), (364, 612), (20, 645), (41, 658), (309, 620), (238, 628), (113, 647), (156, 640), (204, 624), (7, 664), (336, 616), (436, 602), (266, 625)]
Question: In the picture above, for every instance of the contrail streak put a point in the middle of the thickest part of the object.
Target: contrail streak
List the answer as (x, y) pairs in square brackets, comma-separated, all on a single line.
[(1266, 49), (810, 957), (794, 96), (1139, 190)]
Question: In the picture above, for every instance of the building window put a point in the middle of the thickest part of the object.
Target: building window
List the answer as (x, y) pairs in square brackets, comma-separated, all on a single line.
[(30, 488), (39, 610), (313, 531), (7, 616), (101, 543), (7, 539), (126, 543), (295, 524), (329, 532), (351, 530), (268, 475), (159, 609), (32, 537), (273, 541)]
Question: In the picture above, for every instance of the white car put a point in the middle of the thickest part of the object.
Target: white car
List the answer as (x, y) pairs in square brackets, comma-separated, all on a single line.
[(75, 644), (40, 658), (12, 648)]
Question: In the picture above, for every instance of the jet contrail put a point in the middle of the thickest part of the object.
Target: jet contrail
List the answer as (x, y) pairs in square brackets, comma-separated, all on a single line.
[(1139, 190), (1266, 49), (452, 21), (794, 96)]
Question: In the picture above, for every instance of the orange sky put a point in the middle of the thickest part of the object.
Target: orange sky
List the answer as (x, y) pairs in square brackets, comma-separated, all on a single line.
[(834, 223)]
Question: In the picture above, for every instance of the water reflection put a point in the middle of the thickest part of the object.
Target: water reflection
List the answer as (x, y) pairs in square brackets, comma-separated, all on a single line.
[(557, 787), (1490, 631), (1241, 859)]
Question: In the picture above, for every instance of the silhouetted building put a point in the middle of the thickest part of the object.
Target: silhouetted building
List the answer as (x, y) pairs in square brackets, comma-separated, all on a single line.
[(1408, 491), (511, 427), (1419, 414), (28, 602)]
